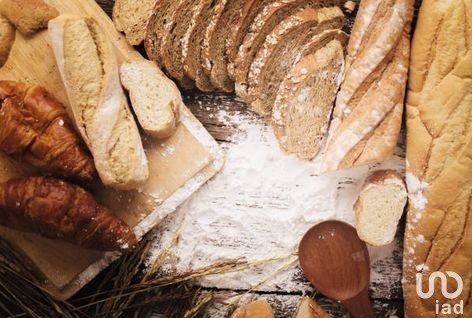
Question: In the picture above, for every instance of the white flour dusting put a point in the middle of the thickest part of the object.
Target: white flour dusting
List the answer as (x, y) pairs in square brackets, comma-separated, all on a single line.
[(259, 207)]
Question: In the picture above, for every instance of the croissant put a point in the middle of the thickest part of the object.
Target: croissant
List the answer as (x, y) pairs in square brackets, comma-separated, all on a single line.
[(36, 128), (59, 210)]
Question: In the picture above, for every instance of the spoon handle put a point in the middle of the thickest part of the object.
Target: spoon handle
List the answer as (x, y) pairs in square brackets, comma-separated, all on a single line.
[(360, 306)]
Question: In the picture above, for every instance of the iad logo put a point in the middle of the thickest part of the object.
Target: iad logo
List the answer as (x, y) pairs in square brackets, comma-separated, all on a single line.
[(442, 308)]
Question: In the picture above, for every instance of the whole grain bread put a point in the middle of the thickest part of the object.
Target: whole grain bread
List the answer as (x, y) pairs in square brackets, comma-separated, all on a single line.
[(367, 118), (438, 234), (305, 100), (7, 38), (99, 108), (28, 16), (131, 17), (281, 49)]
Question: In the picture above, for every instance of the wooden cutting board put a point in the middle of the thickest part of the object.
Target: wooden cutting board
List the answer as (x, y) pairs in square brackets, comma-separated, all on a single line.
[(178, 166)]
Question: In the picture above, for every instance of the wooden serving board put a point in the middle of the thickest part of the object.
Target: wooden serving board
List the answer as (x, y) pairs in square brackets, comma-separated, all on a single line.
[(178, 166)]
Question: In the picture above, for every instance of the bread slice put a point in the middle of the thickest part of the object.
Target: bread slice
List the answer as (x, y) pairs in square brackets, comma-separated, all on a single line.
[(280, 50), (7, 38), (215, 52), (28, 16), (192, 57), (305, 100), (99, 108), (268, 17), (307, 308), (255, 309), (158, 26), (380, 206), (155, 99), (131, 17)]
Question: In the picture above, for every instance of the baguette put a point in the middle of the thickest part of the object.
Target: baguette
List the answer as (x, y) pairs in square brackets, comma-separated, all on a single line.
[(379, 207), (28, 16), (99, 107), (7, 38), (131, 17), (367, 117), (438, 234), (307, 308), (155, 99)]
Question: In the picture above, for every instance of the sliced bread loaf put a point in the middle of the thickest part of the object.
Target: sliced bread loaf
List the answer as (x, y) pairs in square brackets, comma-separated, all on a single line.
[(155, 98), (131, 17), (215, 52), (280, 50), (305, 100), (191, 49), (158, 25), (268, 17), (379, 207)]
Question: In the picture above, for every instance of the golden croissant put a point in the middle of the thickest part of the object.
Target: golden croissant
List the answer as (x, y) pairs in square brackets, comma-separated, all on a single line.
[(35, 128), (56, 209)]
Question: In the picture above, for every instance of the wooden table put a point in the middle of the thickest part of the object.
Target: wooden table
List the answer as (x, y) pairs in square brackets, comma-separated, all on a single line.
[(385, 290)]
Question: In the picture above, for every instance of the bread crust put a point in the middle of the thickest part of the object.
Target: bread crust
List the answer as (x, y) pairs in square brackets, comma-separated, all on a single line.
[(7, 38), (28, 16), (132, 22), (439, 155)]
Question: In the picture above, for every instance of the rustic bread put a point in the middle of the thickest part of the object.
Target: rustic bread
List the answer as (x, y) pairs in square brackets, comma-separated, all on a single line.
[(307, 308), (158, 26), (215, 53), (380, 206), (367, 117), (266, 20), (155, 99), (99, 107), (192, 57), (439, 156), (280, 50), (257, 308), (28, 16), (7, 38), (131, 17)]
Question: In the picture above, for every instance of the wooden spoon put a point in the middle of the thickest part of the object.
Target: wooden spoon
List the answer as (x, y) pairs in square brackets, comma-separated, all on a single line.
[(336, 262)]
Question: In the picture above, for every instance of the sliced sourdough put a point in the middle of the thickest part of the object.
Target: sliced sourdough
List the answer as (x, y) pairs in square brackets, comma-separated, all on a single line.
[(184, 21), (158, 25), (191, 51), (305, 100), (280, 51), (268, 17), (99, 108), (131, 17), (155, 98), (307, 308), (215, 52), (380, 206)]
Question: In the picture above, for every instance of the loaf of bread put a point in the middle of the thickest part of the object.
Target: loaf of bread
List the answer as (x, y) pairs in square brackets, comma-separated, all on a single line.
[(307, 308), (367, 118), (28, 16), (90, 72), (155, 99), (439, 158), (380, 206), (36, 129), (58, 210), (305, 99), (257, 308), (131, 17), (7, 38)]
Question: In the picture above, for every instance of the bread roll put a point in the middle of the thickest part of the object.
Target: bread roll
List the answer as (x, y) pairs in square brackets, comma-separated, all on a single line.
[(367, 118), (255, 309), (439, 156), (90, 73), (28, 16), (380, 207)]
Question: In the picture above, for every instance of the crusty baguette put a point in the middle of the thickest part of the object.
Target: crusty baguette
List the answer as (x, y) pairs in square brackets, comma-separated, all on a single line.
[(99, 107), (307, 308), (439, 156), (255, 309), (367, 117), (28, 16), (7, 38), (380, 206), (130, 17), (154, 98), (58, 210), (305, 100)]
